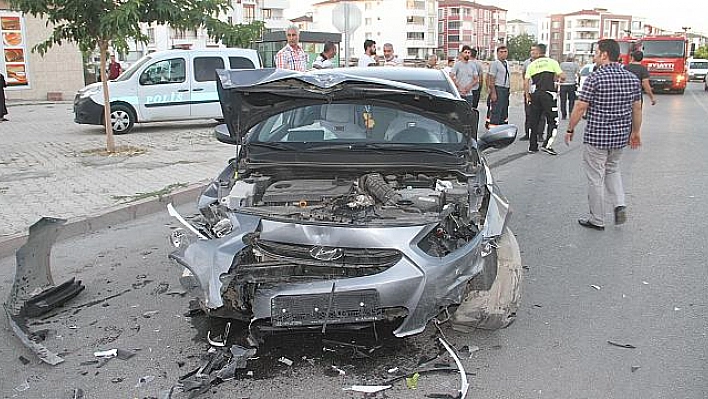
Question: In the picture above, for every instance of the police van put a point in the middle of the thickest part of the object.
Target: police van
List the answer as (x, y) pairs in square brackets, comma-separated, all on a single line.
[(166, 85)]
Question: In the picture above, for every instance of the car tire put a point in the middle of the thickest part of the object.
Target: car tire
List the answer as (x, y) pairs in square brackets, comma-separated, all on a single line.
[(122, 118), (496, 307)]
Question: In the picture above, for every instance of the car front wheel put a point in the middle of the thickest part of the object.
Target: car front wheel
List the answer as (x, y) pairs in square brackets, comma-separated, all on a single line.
[(495, 306), (122, 119)]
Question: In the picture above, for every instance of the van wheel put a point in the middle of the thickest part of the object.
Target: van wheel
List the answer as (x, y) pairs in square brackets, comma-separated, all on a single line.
[(122, 119), (494, 307)]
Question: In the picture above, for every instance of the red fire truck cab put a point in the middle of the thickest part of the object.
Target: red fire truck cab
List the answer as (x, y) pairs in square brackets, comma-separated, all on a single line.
[(665, 58)]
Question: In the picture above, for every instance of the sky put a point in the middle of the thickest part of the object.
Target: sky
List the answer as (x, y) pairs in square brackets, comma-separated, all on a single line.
[(658, 13)]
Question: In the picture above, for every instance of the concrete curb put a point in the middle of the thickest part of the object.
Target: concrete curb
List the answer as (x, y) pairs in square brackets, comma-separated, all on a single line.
[(110, 216)]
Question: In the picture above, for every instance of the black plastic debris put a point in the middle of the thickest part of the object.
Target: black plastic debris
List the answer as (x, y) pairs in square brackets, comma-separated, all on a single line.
[(124, 354), (221, 365), (24, 360), (76, 393), (33, 291), (620, 345), (635, 368)]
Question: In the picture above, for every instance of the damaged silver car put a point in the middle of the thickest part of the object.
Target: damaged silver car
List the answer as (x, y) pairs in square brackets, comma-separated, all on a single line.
[(356, 197)]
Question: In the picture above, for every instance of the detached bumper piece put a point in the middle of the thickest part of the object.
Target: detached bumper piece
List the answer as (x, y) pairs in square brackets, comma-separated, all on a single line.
[(33, 291), (322, 309)]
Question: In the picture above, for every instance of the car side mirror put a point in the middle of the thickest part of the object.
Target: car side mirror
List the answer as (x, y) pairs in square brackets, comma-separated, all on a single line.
[(222, 134), (497, 137)]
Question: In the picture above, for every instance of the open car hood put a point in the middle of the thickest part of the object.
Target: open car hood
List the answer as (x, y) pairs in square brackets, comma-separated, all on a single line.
[(250, 96)]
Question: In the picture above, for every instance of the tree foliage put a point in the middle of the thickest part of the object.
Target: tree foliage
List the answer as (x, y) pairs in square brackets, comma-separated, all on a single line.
[(98, 24), (519, 46), (701, 52)]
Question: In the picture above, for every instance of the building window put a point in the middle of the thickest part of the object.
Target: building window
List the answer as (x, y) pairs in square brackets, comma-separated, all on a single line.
[(367, 5), (568, 24), (454, 11), (249, 14), (367, 35), (412, 52), (555, 36), (415, 36), (453, 25), (453, 38), (410, 20), (555, 25), (151, 35), (567, 48), (441, 26), (367, 21), (415, 4), (567, 36)]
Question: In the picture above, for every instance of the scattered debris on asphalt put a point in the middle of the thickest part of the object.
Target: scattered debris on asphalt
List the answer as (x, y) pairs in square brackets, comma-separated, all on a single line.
[(367, 388), (412, 381), (635, 368), (597, 287), (76, 393), (150, 313), (628, 346), (24, 360), (23, 387), (286, 361), (33, 291), (107, 353), (464, 386), (143, 381)]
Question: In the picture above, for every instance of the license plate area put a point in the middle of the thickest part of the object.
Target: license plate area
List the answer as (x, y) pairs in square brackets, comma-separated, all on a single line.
[(311, 309)]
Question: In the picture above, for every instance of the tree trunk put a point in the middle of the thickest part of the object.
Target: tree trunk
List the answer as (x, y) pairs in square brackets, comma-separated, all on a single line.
[(110, 141)]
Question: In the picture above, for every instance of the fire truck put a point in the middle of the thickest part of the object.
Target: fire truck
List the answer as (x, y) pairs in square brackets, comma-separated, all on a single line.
[(664, 57)]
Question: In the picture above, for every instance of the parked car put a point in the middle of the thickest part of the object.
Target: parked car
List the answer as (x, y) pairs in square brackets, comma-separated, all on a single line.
[(166, 85), (697, 69), (585, 71), (355, 199)]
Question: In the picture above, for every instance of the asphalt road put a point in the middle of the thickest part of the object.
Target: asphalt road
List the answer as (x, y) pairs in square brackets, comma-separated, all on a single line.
[(643, 283)]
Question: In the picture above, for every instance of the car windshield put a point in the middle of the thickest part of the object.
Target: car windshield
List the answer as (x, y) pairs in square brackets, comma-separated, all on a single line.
[(323, 124), (663, 48), (698, 65), (130, 71)]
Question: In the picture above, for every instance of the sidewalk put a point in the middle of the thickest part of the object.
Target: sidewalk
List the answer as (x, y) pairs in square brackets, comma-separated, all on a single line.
[(49, 166)]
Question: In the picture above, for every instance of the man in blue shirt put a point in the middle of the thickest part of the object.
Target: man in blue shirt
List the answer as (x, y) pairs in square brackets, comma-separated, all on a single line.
[(612, 98)]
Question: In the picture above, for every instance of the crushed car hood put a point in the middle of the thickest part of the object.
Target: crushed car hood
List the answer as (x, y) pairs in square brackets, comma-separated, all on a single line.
[(250, 96)]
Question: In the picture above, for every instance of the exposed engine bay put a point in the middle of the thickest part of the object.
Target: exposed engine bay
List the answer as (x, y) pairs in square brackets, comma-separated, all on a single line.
[(371, 199)]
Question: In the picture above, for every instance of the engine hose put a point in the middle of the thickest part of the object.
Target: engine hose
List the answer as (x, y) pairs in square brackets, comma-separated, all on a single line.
[(375, 185)]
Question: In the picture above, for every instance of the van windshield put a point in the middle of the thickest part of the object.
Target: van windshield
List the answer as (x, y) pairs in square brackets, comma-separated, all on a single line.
[(131, 71), (698, 65)]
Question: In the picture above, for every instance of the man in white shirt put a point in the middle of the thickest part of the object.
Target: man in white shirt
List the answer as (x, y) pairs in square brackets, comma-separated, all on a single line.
[(324, 59), (390, 59), (464, 74), (369, 56)]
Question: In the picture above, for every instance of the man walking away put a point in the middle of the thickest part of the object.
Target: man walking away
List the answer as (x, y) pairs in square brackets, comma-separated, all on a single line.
[(464, 74), (292, 56), (533, 55), (477, 90), (635, 66), (369, 56), (498, 83), (612, 98), (568, 88), (324, 59), (543, 72)]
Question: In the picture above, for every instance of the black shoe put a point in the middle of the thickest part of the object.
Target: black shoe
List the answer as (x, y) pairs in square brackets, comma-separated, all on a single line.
[(620, 214), (549, 150), (525, 138), (532, 151), (586, 223)]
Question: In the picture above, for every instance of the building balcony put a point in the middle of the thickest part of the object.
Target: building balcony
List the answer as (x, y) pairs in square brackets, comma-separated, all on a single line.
[(276, 23)]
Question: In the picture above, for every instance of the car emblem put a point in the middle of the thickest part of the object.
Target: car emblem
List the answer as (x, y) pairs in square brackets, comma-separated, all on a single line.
[(326, 254)]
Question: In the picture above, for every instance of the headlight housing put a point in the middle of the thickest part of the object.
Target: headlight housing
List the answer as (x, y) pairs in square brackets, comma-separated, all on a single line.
[(89, 92)]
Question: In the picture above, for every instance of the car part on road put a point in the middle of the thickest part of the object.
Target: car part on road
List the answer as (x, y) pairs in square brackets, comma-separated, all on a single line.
[(33, 291), (464, 385)]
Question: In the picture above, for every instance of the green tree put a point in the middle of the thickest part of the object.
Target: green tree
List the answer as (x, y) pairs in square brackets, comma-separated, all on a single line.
[(701, 52), (98, 24), (519, 46)]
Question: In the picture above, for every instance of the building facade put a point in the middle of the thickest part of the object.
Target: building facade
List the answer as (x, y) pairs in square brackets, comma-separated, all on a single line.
[(517, 27), (575, 33), (56, 75), (468, 22), (409, 25)]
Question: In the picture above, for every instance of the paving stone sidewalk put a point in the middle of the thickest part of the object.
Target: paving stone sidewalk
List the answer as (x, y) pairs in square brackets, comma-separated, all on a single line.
[(50, 166)]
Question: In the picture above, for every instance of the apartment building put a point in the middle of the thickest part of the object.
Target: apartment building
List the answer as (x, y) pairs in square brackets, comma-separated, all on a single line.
[(163, 37), (517, 27), (463, 22), (409, 25), (574, 33)]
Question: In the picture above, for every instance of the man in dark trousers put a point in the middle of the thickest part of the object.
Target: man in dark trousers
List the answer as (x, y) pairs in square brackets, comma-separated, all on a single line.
[(612, 98), (635, 66), (499, 85), (543, 73)]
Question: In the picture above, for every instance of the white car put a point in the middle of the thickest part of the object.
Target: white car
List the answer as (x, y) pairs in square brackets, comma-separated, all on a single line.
[(585, 71)]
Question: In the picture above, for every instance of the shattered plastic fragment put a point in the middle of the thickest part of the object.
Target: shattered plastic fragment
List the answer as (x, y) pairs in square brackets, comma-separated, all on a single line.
[(635, 368), (106, 353), (393, 370), (150, 313), (23, 387), (367, 388), (412, 381), (76, 393), (124, 354), (143, 381), (597, 287), (628, 346), (464, 386), (286, 361)]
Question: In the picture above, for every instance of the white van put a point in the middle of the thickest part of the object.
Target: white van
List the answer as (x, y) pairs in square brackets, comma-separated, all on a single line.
[(166, 85), (697, 69)]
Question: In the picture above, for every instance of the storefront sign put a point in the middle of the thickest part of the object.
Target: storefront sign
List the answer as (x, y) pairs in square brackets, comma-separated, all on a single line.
[(14, 50)]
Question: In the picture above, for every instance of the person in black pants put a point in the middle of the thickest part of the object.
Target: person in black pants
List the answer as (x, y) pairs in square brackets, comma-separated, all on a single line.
[(543, 74)]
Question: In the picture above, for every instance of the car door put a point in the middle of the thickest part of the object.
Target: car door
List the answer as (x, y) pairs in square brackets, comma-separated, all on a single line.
[(164, 90), (205, 100)]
